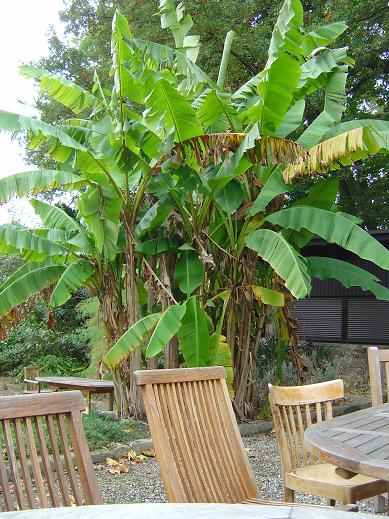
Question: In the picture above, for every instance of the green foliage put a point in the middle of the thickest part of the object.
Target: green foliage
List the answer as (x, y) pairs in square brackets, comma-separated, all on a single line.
[(31, 342), (102, 432)]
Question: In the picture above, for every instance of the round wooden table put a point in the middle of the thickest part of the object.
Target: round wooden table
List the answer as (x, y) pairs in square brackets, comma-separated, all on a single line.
[(358, 442), (183, 511)]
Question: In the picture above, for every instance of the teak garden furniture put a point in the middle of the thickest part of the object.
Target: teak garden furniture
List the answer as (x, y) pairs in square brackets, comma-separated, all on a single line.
[(44, 440), (196, 438), (377, 357), (88, 386), (292, 412), (186, 511)]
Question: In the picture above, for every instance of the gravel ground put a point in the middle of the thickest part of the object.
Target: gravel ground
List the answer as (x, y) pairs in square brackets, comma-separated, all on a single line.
[(142, 483)]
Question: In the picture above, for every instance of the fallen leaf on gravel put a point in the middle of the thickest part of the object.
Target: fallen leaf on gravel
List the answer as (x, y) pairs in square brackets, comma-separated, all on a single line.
[(117, 467), (131, 454)]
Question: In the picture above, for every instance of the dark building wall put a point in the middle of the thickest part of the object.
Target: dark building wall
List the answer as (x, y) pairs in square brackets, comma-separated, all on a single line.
[(337, 314)]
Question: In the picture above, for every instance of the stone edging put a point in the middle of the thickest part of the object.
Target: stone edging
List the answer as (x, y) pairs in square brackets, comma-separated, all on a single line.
[(246, 429)]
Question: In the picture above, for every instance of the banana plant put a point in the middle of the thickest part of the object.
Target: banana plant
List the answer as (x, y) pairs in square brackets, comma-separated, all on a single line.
[(219, 203), (191, 184)]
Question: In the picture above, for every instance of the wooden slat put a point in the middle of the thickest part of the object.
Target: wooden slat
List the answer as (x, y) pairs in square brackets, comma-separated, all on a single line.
[(373, 356), (185, 462), (86, 472), (46, 463), (7, 435), (57, 460), (223, 460), (215, 460), (24, 463), (36, 470), (4, 485), (166, 460), (68, 459)]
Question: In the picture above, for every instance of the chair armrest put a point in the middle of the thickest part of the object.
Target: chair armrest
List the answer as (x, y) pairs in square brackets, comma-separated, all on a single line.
[(27, 381)]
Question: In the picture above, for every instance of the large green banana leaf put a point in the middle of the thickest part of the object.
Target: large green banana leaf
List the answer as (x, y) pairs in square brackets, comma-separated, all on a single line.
[(189, 271), (335, 228), (61, 90), (285, 260), (173, 18), (74, 277), (170, 111), (216, 113), (322, 36), (133, 338), (193, 335), (167, 327), (11, 122), (223, 357), (54, 217), (28, 285), (29, 245), (33, 182), (155, 216), (286, 38), (348, 274), (24, 269), (274, 186), (94, 209), (334, 106)]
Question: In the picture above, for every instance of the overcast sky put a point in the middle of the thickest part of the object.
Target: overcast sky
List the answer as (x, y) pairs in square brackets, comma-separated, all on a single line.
[(24, 25)]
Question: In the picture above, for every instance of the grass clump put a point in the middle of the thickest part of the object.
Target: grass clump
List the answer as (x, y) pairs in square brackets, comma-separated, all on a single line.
[(102, 431)]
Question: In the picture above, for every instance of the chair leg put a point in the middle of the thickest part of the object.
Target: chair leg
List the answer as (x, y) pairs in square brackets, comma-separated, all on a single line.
[(288, 495), (379, 504), (330, 502)]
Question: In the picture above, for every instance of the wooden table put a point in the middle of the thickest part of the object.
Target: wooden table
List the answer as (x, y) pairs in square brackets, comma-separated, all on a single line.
[(356, 442), (87, 385), (184, 511)]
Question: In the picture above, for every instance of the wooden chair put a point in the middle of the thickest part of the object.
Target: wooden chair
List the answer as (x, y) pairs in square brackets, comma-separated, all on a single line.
[(42, 439), (196, 438), (292, 412), (376, 358)]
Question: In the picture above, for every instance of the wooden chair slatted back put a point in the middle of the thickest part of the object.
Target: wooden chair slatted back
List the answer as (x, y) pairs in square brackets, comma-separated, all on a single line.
[(295, 408), (44, 456), (197, 442), (376, 359)]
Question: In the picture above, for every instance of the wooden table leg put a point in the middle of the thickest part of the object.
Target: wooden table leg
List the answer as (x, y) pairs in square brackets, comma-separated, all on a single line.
[(88, 401), (111, 400)]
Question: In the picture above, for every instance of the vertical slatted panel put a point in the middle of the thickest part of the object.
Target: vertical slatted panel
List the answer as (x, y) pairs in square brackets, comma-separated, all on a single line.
[(200, 457), (36, 465)]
